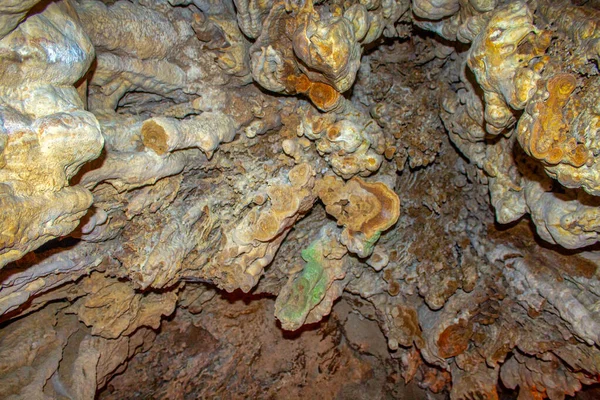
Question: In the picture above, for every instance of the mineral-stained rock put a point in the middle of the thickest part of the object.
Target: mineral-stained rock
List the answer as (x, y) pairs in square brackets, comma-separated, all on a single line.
[(13, 12), (299, 199), (364, 209), (205, 132), (113, 308), (46, 134), (127, 29), (504, 60), (304, 49), (314, 288)]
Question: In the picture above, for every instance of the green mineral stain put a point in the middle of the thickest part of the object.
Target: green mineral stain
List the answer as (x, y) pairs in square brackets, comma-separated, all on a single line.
[(308, 289), (369, 244)]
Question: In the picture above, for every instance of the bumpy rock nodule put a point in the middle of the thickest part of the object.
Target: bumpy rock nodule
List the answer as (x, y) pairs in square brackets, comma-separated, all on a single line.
[(153, 154)]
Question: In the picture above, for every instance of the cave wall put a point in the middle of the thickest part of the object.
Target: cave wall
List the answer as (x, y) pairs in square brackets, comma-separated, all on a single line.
[(431, 164)]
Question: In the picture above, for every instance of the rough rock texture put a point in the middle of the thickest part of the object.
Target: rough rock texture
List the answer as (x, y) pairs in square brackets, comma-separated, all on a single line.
[(299, 199), (242, 353)]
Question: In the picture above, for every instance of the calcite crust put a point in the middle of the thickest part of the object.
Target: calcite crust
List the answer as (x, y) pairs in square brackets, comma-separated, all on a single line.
[(416, 182)]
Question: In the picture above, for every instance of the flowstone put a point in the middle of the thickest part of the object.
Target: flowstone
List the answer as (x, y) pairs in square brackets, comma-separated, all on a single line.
[(299, 199)]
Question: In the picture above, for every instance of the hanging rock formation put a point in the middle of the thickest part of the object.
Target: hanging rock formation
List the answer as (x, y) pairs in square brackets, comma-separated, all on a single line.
[(401, 192)]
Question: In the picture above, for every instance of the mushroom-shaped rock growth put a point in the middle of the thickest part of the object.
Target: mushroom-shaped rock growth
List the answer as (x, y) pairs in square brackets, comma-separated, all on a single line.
[(544, 130), (364, 209)]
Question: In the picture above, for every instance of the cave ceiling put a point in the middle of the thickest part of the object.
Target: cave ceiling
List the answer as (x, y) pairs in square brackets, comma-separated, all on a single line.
[(398, 191)]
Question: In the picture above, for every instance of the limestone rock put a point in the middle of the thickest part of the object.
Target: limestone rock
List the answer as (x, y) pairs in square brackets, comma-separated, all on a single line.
[(299, 199)]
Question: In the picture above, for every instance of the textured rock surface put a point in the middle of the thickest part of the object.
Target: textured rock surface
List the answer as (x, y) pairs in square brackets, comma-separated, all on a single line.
[(299, 199)]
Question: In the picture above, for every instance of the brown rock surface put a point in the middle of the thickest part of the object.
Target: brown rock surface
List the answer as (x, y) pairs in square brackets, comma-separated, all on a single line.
[(355, 199)]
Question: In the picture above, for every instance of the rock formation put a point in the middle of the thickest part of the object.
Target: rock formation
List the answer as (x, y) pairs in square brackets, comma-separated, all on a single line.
[(299, 199)]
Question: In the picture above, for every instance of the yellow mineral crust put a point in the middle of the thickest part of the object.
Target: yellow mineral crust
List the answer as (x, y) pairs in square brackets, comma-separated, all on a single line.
[(435, 9), (113, 308), (364, 209), (322, 95), (503, 57), (328, 47), (580, 119), (302, 50), (544, 130), (45, 135), (581, 24), (253, 242)]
